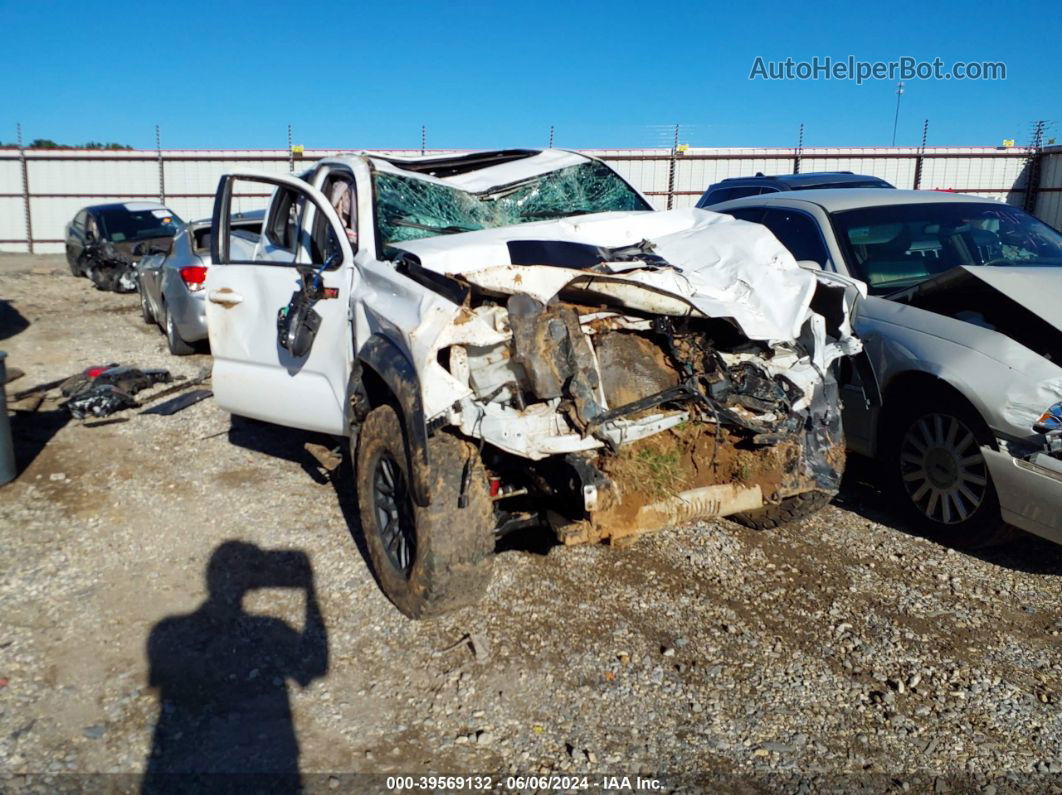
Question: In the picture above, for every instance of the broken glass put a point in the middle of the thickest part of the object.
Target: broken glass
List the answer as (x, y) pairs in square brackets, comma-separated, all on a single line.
[(408, 208)]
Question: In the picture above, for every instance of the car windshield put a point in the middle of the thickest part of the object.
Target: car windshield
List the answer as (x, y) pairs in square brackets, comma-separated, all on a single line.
[(896, 246), (408, 208), (121, 224)]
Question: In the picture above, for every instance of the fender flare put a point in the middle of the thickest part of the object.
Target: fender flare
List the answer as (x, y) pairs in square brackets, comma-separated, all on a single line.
[(391, 364)]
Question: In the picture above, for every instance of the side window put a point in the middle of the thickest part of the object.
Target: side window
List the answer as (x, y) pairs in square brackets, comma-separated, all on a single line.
[(742, 192), (798, 233), (294, 229), (341, 193), (753, 214), (282, 226), (715, 197)]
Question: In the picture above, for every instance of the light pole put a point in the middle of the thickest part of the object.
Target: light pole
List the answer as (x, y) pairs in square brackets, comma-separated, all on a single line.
[(896, 119)]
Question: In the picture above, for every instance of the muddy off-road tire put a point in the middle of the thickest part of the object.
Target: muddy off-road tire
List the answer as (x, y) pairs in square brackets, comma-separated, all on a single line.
[(791, 509), (432, 560)]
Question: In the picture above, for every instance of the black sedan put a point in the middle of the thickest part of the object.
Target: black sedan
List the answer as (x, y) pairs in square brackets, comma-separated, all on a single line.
[(104, 241)]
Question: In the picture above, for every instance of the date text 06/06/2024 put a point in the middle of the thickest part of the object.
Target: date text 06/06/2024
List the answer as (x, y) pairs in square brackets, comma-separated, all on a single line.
[(519, 783)]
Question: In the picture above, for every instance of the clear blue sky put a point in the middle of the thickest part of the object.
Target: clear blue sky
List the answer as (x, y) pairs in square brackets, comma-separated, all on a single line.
[(491, 74)]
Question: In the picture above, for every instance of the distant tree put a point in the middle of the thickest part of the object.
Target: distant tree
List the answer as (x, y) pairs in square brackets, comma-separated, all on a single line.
[(48, 143)]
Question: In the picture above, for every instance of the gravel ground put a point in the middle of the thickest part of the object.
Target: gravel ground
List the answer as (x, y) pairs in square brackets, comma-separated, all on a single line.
[(840, 654)]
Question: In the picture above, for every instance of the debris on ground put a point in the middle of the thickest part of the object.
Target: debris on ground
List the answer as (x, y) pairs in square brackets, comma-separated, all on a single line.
[(204, 375), (128, 379), (179, 403), (328, 458), (99, 401), (103, 390)]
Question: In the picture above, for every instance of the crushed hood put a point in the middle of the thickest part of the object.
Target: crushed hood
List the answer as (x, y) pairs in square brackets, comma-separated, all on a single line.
[(1035, 288), (716, 265)]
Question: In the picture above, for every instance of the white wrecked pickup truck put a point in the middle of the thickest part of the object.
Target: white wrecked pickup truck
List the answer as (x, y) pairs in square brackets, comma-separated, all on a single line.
[(514, 338)]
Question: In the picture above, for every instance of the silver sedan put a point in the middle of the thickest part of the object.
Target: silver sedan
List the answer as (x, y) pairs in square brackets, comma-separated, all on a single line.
[(170, 283)]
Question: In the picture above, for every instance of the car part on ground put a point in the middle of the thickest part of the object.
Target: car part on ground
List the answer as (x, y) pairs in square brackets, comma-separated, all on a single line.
[(522, 341), (102, 391), (179, 403)]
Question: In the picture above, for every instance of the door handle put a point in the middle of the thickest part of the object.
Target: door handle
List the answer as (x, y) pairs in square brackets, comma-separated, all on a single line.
[(225, 297)]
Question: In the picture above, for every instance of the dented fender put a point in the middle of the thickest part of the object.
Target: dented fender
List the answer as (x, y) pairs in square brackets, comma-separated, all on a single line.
[(394, 368)]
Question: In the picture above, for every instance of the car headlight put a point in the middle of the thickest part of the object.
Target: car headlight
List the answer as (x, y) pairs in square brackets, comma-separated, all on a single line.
[(1050, 420)]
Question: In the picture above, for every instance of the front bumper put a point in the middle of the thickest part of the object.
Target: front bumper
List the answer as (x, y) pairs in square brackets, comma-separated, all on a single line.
[(1030, 495)]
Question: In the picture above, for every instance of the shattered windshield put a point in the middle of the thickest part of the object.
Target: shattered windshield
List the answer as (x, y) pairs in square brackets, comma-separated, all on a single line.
[(123, 224), (408, 208), (896, 246)]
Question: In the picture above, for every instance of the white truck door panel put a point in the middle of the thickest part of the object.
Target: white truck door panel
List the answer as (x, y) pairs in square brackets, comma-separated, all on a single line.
[(253, 374)]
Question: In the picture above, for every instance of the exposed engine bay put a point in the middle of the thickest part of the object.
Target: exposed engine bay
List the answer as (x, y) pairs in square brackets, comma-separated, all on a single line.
[(644, 408), (627, 393)]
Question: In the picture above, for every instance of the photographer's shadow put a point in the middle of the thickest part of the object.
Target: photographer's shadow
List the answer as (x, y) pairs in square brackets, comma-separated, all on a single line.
[(221, 674)]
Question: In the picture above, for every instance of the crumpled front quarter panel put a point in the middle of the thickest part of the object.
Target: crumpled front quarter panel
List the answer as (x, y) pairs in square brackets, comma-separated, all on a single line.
[(1007, 383)]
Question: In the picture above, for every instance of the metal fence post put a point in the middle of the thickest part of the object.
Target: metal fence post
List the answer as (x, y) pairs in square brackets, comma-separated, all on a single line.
[(921, 156), (162, 173), (25, 190), (671, 170)]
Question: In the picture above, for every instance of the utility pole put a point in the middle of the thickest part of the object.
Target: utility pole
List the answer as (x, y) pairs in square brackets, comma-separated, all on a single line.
[(551, 136), (423, 139), (291, 152), (896, 118), (799, 150)]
